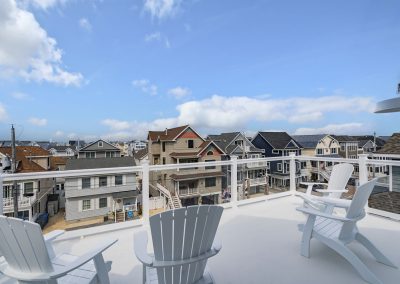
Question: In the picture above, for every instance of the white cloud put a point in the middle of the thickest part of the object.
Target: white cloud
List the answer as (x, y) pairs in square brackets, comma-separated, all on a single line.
[(232, 113), (41, 4), (85, 24), (27, 51), (114, 124), (3, 113), (145, 86), (59, 133), (179, 92), (37, 121), (351, 128), (20, 96), (152, 37), (162, 8)]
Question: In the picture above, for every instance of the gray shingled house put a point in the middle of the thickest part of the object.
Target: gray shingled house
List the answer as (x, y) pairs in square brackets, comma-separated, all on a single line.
[(97, 195)]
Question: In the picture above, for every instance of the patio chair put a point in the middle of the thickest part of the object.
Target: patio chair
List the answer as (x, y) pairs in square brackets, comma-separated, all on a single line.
[(336, 185), (183, 240), (337, 232), (30, 256)]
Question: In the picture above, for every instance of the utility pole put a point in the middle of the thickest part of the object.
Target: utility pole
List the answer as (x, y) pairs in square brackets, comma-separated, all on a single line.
[(13, 170)]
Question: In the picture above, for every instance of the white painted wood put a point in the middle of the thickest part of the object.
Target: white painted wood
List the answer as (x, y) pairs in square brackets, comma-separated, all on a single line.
[(183, 240), (336, 232), (336, 185), (30, 257)]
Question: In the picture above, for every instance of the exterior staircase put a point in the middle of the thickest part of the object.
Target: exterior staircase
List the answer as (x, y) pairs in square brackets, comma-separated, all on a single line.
[(174, 201), (119, 216)]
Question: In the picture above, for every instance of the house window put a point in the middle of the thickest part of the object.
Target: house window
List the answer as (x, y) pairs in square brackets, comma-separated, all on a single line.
[(86, 182), (342, 147), (275, 151), (110, 154), (100, 144), (103, 202), (118, 180), (102, 181), (268, 165), (86, 205), (90, 155), (210, 153), (209, 182), (163, 146), (190, 144), (163, 160), (333, 151), (320, 151), (210, 167), (279, 167), (28, 188)]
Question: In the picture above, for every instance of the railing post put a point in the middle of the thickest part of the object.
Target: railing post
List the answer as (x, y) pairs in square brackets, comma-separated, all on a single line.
[(363, 168), (234, 189), (1, 193), (145, 191), (292, 173)]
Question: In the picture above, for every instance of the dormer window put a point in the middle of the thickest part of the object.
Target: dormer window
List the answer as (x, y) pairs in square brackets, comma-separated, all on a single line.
[(100, 144), (210, 153), (190, 144)]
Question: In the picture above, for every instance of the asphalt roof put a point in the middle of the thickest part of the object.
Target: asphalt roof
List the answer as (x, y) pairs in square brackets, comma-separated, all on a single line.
[(392, 146), (166, 135), (278, 140), (308, 141), (224, 139), (99, 163)]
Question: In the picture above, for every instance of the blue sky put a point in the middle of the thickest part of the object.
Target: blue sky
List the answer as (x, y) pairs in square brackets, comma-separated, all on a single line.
[(115, 69)]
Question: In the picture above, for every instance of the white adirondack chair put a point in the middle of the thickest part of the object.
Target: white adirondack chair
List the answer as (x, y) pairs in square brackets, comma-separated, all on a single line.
[(183, 240), (30, 257), (337, 232), (339, 177)]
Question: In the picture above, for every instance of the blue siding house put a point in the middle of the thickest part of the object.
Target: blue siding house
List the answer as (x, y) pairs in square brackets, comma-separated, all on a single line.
[(276, 144)]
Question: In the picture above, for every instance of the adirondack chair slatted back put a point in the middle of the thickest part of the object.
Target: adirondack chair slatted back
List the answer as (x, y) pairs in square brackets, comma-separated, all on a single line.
[(23, 246), (356, 208), (183, 234), (339, 177)]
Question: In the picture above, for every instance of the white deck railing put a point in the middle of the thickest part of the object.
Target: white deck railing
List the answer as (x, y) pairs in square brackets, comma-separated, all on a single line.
[(363, 163)]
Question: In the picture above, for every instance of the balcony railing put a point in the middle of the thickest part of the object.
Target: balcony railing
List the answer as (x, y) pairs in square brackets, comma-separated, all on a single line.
[(188, 191), (258, 181), (23, 201), (289, 183)]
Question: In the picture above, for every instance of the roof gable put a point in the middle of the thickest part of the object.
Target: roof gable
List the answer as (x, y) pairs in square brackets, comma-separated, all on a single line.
[(94, 147)]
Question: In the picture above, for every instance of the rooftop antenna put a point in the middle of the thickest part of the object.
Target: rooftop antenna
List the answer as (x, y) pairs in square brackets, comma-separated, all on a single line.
[(390, 105)]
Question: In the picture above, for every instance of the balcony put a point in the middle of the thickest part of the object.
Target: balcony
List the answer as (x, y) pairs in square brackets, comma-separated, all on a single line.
[(188, 191), (258, 181), (259, 235), (23, 203)]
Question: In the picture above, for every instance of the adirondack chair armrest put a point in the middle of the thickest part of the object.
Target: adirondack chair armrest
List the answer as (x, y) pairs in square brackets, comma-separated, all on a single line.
[(314, 212), (337, 202), (172, 263), (82, 259), (331, 190), (217, 244), (140, 245), (53, 235)]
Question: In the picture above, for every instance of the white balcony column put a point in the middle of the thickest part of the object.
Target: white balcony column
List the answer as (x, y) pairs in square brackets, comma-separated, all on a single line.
[(145, 191), (1, 194), (234, 188), (390, 178), (292, 173), (363, 168)]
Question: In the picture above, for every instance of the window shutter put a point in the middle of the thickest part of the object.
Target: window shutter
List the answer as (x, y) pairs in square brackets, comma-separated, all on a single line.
[(79, 183), (97, 203), (80, 205), (123, 179), (92, 203)]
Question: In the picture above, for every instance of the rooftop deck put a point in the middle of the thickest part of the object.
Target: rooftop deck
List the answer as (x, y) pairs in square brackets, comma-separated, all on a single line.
[(260, 245)]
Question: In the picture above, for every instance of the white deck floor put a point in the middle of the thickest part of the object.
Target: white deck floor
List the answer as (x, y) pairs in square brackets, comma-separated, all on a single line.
[(261, 245)]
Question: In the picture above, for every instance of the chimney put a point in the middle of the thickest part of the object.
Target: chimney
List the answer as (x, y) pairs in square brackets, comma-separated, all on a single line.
[(166, 129)]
